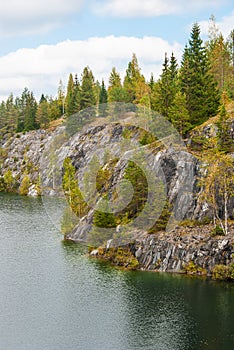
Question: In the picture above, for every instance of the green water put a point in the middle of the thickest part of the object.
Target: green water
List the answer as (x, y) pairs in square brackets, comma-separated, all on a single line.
[(52, 297)]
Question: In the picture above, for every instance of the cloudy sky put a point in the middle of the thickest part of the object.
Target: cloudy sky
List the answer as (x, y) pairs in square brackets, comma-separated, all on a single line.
[(43, 41)]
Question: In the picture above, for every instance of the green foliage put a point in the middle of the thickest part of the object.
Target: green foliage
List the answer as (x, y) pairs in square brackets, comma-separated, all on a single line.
[(225, 141), (24, 186), (9, 181), (192, 269), (178, 114), (72, 190), (220, 53), (134, 82), (197, 82), (103, 217), (87, 95), (147, 138), (168, 86), (103, 98), (217, 231), (135, 175), (121, 256), (223, 272), (198, 142), (103, 223)]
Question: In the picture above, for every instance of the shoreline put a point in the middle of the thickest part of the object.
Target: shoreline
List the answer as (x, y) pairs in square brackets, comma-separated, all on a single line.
[(186, 250)]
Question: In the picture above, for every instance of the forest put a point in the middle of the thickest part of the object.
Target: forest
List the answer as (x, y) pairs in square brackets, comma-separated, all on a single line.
[(186, 93)]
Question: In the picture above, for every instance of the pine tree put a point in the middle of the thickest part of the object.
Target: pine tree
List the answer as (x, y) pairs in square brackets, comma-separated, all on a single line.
[(72, 190), (87, 95), (116, 92), (132, 80), (103, 224), (42, 115), (69, 102), (178, 114), (168, 85), (27, 107), (197, 83), (103, 98)]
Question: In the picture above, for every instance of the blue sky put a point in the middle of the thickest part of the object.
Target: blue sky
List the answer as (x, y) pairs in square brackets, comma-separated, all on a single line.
[(42, 42)]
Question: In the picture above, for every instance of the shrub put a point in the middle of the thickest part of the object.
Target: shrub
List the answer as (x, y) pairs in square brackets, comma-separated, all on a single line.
[(217, 231), (24, 187)]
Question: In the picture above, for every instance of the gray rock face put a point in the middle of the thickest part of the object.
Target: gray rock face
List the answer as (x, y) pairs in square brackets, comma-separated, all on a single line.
[(174, 252), (41, 154), (179, 169), (22, 155)]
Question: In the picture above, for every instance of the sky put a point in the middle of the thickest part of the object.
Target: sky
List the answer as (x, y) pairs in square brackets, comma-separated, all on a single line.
[(43, 41)]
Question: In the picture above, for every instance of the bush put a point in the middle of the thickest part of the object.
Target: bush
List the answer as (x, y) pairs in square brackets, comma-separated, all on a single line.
[(25, 184), (217, 231), (220, 272)]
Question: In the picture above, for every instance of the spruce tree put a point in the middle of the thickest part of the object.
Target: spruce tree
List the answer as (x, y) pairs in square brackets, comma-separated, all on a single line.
[(197, 82), (103, 98), (116, 92), (168, 85), (70, 96), (132, 79), (178, 114), (87, 95)]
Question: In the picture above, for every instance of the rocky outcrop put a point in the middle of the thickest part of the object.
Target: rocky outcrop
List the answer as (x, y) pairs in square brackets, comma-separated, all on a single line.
[(192, 250), (21, 155)]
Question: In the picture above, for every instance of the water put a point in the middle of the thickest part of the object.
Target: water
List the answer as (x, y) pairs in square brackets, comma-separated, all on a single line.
[(52, 297)]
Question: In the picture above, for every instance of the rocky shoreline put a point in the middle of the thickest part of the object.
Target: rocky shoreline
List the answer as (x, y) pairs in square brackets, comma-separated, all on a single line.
[(190, 250)]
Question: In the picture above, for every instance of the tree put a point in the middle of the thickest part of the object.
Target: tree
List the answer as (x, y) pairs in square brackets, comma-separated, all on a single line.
[(27, 107), (220, 57), (168, 85), (61, 97), (103, 224), (103, 98), (197, 82), (225, 141), (178, 114), (69, 102), (42, 114), (132, 80), (218, 184), (87, 95), (72, 190), (24, 186)]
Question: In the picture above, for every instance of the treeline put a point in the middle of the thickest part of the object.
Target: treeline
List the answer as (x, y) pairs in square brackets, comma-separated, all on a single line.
[(187, 95)]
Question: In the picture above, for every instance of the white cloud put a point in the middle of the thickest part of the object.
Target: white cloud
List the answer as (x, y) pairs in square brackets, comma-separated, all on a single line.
[(41, 68), (28, 16), (225, 25), (150, 8)]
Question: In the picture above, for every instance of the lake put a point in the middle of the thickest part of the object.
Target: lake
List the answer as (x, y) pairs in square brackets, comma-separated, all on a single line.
[(53, 297)]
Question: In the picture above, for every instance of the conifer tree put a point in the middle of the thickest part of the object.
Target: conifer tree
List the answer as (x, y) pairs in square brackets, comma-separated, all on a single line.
[(103, 98), (168, 85), (116, 92), (70, 96), (197, 83), (178, 114), (87, 95), (42, 115), (132, 80)]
